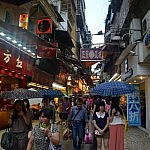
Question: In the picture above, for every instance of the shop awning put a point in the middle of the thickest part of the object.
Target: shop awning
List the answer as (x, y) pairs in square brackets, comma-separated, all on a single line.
[(16, 2), (125, 53), (64, 38), (23, 35)]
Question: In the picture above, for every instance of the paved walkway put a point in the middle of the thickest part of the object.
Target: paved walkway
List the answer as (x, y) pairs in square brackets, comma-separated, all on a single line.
[(135, 139)]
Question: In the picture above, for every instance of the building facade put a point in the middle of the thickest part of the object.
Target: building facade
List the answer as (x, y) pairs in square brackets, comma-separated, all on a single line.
[(127, 25)]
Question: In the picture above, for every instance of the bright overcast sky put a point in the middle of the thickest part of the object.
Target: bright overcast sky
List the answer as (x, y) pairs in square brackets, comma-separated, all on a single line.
[(96, 12)]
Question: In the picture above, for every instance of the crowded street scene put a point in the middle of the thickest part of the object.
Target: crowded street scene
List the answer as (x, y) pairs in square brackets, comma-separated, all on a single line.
[(75, 75)]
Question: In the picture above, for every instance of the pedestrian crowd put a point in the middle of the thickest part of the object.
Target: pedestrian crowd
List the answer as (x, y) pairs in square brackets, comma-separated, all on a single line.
[(94, 120)]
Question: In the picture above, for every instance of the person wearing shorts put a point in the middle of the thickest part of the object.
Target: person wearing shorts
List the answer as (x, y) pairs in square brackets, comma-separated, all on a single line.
[(101, 125)]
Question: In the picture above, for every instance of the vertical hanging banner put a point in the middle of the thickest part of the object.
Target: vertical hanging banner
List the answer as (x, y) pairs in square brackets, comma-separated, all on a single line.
[(23, 21), (134, 110)]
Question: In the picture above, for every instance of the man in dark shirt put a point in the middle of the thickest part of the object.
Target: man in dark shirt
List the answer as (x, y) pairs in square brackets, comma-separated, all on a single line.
[(78, 117)]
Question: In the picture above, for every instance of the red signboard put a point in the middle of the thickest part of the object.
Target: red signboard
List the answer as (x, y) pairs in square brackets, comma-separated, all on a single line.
[(91, 54), (16, 62), (46, 52), (44, 26)]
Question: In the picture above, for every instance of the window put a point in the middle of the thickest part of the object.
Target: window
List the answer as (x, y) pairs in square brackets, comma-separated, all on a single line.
[(8, 17)]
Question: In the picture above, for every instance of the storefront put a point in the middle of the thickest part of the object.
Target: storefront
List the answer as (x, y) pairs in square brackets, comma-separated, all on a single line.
[(137, 74), (15, 68)]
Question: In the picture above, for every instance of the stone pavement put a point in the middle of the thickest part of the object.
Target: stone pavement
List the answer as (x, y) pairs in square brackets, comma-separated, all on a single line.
[(135, 139)]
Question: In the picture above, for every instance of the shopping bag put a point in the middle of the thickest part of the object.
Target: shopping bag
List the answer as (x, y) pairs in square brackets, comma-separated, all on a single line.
[(88, 139)]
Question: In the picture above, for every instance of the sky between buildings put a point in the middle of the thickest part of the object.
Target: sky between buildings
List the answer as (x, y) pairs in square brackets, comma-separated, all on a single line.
[(95, 13)]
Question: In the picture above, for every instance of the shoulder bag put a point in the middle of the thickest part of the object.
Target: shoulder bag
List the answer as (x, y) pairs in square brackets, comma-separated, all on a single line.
[(7, 140), (70, 123)]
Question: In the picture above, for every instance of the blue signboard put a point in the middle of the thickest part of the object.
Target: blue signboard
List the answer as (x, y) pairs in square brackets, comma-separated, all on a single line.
[(134, 110)]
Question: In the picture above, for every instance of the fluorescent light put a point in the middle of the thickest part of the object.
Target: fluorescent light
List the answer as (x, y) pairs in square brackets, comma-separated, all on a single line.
[(8, 38), (14, 41), (24, 47), (56, 85), (19, 45), (2, 34), (114, 76), (29, 50), (33, 54)]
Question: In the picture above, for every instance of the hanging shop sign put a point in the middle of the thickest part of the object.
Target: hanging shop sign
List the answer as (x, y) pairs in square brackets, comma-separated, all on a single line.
[(47, 52), (91, 54), (23, 21), (128, 71), (44, 26), (133, 109)]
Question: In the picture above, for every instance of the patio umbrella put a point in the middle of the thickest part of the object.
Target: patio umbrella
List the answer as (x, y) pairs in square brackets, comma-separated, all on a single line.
[(113, 89), (20, 94), (51, 93)]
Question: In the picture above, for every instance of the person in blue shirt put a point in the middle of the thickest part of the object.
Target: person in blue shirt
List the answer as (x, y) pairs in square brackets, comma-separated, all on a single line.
[(78, 117)]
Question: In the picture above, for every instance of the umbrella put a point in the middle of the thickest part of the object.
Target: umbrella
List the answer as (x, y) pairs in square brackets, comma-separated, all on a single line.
[(51, 93), (113, 89), (20, 94)]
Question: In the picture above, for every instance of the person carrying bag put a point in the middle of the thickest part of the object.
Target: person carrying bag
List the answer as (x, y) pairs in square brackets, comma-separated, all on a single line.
[(7, 139), (71, 121)]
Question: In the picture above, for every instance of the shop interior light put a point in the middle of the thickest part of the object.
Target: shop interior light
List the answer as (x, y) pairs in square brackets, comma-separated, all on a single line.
[(2, 34), (56, 85), (134, 80), (20, 45), (12, 71), (14, 41), (8, 38), (141, 77), (6, 69)]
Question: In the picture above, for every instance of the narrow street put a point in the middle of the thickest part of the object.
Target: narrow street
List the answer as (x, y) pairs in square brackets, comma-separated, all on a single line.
[(135, 139)]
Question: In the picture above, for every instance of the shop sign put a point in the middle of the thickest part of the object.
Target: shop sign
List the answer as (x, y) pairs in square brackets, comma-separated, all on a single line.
[(133, 109), (147, 41), (47, 52), (44, 26), (91, 54), (7, 57), (23, 21), (127, 75), (128, 71), (16, 61)]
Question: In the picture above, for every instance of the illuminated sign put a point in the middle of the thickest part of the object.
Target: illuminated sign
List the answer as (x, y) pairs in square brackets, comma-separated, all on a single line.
[(23, 21), (91, 54)]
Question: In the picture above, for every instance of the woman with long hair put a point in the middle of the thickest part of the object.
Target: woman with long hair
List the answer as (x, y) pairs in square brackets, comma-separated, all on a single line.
[(19, 121), (116, 141), (101, 124)]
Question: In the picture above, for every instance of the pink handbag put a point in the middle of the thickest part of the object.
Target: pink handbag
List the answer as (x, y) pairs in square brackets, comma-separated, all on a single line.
[(88, 139)]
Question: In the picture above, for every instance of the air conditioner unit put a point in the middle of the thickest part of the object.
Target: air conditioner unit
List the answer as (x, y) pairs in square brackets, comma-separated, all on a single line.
[(136, 32), (146, 23)]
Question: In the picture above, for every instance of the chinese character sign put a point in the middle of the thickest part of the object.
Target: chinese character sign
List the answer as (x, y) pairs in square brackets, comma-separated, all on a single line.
[(134, 110)]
